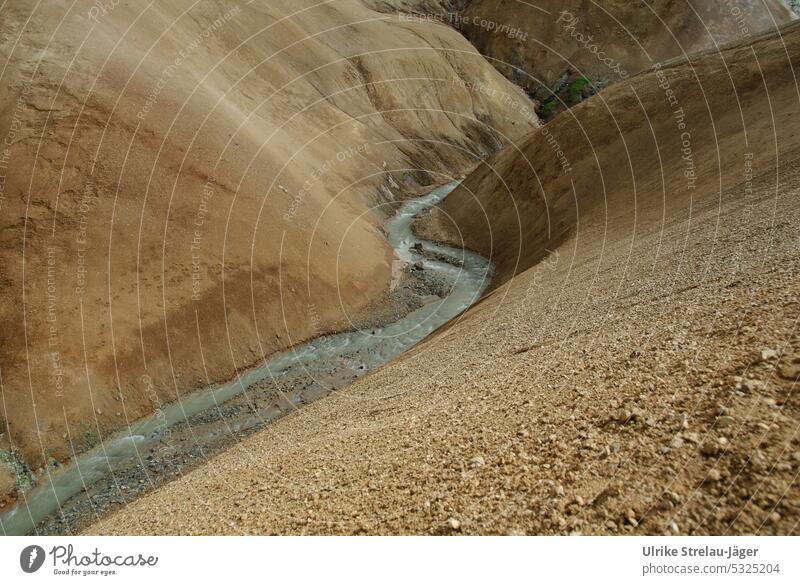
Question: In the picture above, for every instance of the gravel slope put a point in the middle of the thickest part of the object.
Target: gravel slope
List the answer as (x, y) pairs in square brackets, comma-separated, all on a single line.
[(641, 377), (591, 394)]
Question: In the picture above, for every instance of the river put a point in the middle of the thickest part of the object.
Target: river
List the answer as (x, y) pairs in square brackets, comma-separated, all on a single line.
[(349, 354)]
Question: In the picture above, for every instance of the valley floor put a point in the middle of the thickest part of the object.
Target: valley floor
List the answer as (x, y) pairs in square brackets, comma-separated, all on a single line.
[(636, 381)]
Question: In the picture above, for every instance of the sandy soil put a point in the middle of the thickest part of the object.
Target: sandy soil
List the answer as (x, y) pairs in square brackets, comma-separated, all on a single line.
[(183, 185), (639, 377)]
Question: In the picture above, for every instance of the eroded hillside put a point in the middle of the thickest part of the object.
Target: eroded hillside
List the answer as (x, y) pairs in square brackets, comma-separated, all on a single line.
[(641, 379), (187, 188), (562, 51), (660, 140)]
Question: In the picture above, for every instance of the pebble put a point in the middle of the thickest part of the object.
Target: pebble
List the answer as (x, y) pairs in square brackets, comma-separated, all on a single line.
[(757, 460), (630, 518), (724, 421), (714, 475), (768, 354), (477, 461), (691, 437), (453, 523), (748, 385), (622, 416)]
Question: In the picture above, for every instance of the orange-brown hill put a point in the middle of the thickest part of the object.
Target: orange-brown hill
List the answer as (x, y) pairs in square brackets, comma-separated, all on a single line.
[(657, 143), (547, 45), (184, 184), (641, 379)]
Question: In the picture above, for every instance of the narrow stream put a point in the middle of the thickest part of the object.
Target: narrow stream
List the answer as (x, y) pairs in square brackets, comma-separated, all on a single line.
[(358, 351)]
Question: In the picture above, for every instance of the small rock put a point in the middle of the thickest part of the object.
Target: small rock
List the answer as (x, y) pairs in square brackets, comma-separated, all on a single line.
[(673, 526), (453, 523), (724, 421), (748, 386), (622, 416), (709, 449), (757, 460), (768, 354), (691, 437), (713, 475), (676, 443), (630, 518), (477, 461)]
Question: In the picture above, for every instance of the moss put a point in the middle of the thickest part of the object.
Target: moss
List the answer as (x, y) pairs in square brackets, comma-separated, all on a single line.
[(576, 88), (547, 107)]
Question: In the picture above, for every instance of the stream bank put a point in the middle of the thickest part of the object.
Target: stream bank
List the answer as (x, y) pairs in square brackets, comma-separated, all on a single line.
[(185, 434)]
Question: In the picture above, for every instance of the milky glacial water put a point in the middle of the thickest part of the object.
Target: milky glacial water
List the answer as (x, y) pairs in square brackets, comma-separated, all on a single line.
[(373, 348)]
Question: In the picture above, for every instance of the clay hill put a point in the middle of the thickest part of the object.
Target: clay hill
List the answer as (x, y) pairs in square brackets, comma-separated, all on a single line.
[(634, 370), (710, 120), (184, 186), (562, 51)]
